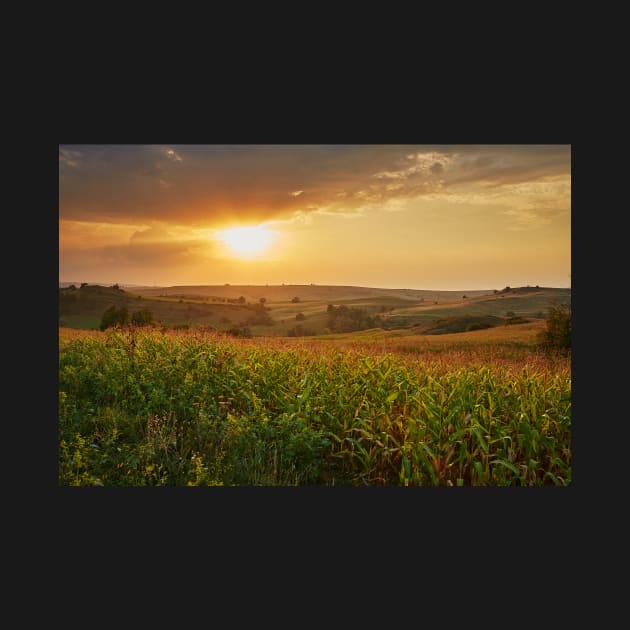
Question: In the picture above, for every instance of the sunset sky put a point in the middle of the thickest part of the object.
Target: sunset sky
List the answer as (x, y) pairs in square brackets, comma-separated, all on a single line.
[(448, 217)]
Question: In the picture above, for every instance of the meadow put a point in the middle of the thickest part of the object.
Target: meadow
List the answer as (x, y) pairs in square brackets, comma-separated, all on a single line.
[(149, 407), (276, 311)]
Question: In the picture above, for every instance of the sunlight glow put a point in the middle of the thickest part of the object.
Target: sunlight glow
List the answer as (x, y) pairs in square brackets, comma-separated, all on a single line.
[(247, 242)]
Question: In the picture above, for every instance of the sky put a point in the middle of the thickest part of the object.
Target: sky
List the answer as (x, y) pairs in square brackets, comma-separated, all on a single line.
[(441, 217)]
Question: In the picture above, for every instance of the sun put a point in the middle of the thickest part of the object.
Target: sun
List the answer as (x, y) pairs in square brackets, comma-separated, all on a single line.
[(247, 242)]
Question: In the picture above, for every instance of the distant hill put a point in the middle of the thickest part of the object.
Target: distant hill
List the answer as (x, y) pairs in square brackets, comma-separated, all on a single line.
[(65, 284), (306, 292), (276, 310)]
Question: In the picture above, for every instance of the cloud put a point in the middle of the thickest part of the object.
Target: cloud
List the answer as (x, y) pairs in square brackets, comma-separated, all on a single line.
[(144, 250), (171, 154), (437, 168), (68, 157), (391, 175), (68, 160), (151, 235), (218, 185)]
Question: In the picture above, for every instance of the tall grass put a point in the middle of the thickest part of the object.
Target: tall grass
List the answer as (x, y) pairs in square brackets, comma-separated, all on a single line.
[(147, 408)]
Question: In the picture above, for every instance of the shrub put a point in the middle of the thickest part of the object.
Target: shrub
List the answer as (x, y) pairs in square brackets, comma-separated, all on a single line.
[(114, 317), (558, 331), (517, 319), (141, 318), (477, 326)]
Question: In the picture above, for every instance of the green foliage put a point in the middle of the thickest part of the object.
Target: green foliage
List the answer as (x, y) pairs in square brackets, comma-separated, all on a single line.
[(261, 316), (114, 316), (515, 319), (348, 319), (141, 408), (478, 326), (558, 327), (462, 323), (141, 318)]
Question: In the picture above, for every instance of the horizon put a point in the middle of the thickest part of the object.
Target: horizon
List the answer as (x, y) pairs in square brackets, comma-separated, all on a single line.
[(302, 284), (418, 217)]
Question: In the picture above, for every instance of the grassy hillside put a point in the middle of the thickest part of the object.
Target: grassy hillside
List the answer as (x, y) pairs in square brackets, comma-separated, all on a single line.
[(84, 307), (289, 306)]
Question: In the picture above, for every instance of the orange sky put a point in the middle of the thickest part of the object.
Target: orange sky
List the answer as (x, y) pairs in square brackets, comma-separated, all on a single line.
[(408, 216)]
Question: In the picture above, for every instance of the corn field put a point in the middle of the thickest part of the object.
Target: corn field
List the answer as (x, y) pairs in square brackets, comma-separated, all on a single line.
[(145, 408)]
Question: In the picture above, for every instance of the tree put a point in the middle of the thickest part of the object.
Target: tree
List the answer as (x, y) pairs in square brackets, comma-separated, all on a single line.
[(241, 300), (141, 318), (83, 284), (262, 300), (123, 315), (558, 331), (300, 316), (295, 300), (109, 317), (114, 317)]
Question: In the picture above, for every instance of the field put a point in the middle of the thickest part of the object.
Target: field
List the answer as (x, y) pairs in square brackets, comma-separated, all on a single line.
[(151, 407), (287, 306)]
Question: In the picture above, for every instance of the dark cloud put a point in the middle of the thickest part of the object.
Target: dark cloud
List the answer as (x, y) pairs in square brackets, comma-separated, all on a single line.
[(210, 184)]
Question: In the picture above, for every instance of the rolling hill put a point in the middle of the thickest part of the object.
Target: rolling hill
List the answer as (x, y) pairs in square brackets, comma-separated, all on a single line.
[(281, 310)]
